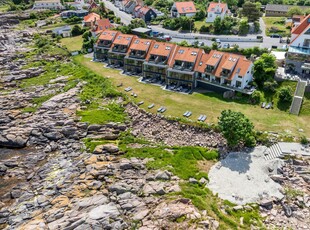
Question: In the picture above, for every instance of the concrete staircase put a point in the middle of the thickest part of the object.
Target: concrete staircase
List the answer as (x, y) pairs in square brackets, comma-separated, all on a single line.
[(273, 151)]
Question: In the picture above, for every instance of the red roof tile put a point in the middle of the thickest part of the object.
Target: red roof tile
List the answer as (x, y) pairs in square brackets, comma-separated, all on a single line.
[(108, 35), (91, 17), (123, 39), (187, 54), (141, 44), (201, 62), (213, 5), (185, 7), (302, 26), (161, 49), (101, 25)]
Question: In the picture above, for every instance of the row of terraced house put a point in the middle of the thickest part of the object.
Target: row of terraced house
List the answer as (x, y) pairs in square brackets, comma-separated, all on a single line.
[(172, 64)]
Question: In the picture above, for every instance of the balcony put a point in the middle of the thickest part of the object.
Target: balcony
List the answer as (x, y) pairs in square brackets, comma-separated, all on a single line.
[(225, 73), (104, 44), (138, 55)]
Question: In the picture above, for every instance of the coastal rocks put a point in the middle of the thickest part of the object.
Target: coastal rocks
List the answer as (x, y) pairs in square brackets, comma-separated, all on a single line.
[(157, 129), (13, 141)]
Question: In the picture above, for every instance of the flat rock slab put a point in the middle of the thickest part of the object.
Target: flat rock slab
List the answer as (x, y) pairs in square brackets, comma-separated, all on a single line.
[(244, 178), (104, 211)]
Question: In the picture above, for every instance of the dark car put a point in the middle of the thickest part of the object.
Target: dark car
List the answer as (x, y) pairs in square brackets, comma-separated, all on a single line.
[(275, 36)]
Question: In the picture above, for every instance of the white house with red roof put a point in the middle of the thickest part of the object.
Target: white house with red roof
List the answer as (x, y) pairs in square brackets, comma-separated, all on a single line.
[(100, 25), (298, 55), (186, 9), (216, 9)]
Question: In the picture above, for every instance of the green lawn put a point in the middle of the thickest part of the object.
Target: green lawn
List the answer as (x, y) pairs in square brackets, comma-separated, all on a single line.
[(210, 104), (278, 23), (199, 24), (73, 43)]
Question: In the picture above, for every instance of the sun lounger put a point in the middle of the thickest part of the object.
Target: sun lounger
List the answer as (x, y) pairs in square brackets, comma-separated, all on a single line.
[(128, 89), (135, 95), (199, 118), (159, 110), (204, 117), (163, 110), (189, 114), (140, 103), (184, 114), (151, 106)]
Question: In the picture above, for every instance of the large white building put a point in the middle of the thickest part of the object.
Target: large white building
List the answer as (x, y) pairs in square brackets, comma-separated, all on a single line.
[(186, 9), (47, 4), (298, 55), (215, 10)]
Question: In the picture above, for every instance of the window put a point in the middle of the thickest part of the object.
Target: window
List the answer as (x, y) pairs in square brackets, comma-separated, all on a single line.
[(128, 38), (156, 46), (181, 51), (137, 41)]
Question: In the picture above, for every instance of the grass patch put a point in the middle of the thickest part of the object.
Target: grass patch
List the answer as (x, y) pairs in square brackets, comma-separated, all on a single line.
[(92, 143), (38, 101), (199, 24), (73, 43), (207, 103), (278, 23), (110, 113), (181, 161), (305, 108)]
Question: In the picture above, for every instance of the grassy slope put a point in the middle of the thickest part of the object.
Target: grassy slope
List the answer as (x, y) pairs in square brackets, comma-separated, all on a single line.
[(73, 43), (210, 104)]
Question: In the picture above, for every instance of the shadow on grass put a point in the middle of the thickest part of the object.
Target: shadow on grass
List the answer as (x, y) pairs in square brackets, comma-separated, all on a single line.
[(240, 99), (283, 106)]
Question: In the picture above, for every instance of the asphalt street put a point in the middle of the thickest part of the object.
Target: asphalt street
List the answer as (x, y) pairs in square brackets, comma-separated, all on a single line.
[(190, 37)]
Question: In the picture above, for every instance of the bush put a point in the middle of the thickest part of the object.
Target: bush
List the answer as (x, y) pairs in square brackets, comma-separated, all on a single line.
[(255, 97), (304, 140), (76, 30), (204, 29), (270, 86), (285, 94)]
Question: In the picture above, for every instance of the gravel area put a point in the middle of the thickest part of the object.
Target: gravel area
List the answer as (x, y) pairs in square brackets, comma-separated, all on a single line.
[(243, 177)]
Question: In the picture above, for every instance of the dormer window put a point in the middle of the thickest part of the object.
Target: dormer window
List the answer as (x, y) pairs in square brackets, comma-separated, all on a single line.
[(181, 51), (137, 41), (128, 38), (156, 46)]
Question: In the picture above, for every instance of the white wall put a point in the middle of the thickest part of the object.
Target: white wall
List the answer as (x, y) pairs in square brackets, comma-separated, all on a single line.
[(300, 40)]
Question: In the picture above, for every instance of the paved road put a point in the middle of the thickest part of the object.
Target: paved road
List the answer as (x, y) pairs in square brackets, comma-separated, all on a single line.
[(189, 37)]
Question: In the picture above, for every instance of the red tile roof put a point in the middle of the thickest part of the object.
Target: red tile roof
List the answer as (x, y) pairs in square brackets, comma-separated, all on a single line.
[(101, 25), (213, 5), (238, 64), (185, 7), (187, 54), (201, 63), (141, 44), (91, 17), (302, 26), (123, 39), (161, 49), (108, 35)]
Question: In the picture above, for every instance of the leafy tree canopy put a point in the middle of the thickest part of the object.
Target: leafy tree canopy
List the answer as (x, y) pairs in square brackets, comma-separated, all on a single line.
[(236, 128)]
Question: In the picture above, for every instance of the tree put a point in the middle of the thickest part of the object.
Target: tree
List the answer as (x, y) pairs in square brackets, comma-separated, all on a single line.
[(217, 25), (76, 30), (295, 10), (256, 97), (243, 27), (251, 11), (200, 15), (264, 69), (285, 94), (236, 128)]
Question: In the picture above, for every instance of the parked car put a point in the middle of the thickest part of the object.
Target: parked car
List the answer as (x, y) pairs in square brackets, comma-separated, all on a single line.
[(201, 43), (167, 37), (217, 40), (269, 106), (226, 46), (275, 36)]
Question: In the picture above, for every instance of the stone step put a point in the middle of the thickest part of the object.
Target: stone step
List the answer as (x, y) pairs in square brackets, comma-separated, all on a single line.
[(274, 152)]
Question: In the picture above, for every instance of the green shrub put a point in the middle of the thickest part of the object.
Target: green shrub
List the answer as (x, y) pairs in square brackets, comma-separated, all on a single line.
[(255, 97), (285, 94), (304, 140)]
